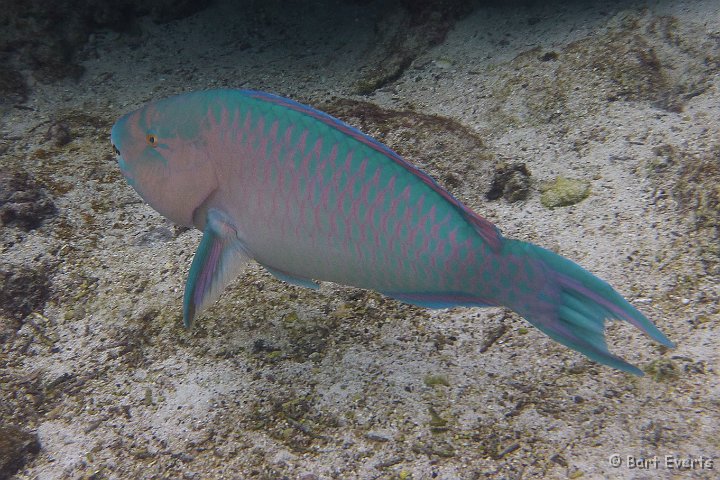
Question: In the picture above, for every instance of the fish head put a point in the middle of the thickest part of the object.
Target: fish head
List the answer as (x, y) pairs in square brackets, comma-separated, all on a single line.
[(162, 150)]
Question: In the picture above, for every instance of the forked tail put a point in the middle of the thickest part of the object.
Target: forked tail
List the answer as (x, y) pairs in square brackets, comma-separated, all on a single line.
[(570, 304)]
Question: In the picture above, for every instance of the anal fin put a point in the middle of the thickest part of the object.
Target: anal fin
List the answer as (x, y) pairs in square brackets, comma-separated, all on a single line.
[(439, 300)]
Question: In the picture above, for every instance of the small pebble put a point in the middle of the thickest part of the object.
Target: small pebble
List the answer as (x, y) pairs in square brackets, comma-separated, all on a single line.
[(377, 436)]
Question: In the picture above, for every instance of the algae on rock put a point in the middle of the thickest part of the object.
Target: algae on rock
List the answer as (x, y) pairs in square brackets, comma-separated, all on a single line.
[(564, 192)]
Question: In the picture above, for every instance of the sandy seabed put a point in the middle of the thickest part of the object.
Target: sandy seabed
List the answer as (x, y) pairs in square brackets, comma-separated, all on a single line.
[(281, 382)]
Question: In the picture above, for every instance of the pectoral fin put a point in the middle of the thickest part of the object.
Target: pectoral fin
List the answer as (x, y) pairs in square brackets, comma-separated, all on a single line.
[(220, 257)]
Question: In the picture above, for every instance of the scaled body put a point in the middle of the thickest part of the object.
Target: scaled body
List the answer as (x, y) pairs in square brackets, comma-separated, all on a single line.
[(311, 198)]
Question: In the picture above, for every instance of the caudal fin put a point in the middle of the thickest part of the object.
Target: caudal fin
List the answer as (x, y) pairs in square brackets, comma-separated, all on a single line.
[(573, 304)]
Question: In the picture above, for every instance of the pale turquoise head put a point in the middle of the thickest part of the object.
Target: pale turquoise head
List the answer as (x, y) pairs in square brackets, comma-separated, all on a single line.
[(163, 150)]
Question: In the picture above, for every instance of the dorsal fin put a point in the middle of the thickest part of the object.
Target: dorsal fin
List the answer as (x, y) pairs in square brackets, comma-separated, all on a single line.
[(484, 228)]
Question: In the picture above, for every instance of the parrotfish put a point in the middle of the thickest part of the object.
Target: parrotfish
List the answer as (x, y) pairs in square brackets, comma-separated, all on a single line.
[(312, 199)]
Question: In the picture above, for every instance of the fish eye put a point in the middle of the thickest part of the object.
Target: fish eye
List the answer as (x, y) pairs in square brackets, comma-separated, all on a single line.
[(151, 139)]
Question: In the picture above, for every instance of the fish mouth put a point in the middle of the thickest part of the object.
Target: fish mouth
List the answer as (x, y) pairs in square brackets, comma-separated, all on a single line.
[(114, 141), (115, 132), (120, 160)]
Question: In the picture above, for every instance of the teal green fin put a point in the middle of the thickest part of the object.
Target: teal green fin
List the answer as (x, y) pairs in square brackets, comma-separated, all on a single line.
[(571, 305), (292, 279), (219, 259)]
